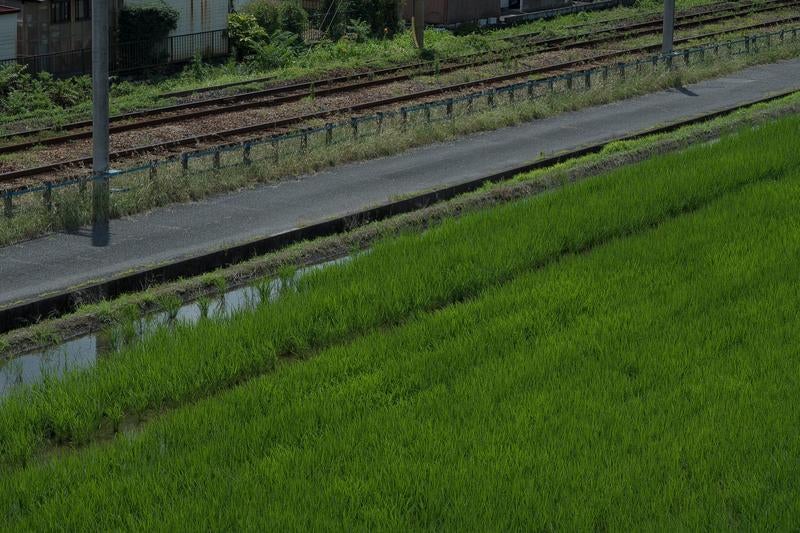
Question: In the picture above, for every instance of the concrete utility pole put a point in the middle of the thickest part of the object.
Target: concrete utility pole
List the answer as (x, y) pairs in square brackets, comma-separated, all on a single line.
[(418, 22), (101, 200), (669, 26)]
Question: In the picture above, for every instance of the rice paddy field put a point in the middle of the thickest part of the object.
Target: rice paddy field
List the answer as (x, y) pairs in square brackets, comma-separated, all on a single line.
[(617, 354)]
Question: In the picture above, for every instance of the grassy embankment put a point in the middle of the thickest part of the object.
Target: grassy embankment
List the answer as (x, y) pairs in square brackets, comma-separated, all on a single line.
[(173, 185), (614, 354), (118, 313)]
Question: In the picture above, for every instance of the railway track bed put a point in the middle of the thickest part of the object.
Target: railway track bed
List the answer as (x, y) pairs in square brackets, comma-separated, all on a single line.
[(206, 124)]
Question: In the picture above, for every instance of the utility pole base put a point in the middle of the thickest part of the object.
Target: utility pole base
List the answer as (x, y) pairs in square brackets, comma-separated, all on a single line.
[(418, 23)]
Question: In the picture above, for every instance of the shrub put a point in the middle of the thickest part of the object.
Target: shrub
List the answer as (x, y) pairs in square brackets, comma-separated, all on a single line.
[(380, 15), (358, 30), (245, 34), (292, 17), (147, 25), (276, 53), (151, 21), (21, 93), (265, 12), (12, 78)]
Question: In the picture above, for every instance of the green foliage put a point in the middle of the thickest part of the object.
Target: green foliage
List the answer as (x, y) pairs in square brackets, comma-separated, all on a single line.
[(358, 30), (265, 13), (147, 25), (278, 52), (379, 15), (148, 22), (245, 34), (22, 93), (292, 17)]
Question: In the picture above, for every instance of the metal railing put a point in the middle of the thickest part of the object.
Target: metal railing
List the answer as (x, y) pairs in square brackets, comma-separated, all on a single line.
[(130, 57), (275, 149)]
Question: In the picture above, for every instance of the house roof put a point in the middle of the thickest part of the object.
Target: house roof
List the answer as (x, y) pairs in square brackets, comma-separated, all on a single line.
[(6, 10)]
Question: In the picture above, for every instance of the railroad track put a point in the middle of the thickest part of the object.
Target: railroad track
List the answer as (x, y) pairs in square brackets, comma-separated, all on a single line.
[(229, 136), (654, 17), (600, 27), (276, 96)]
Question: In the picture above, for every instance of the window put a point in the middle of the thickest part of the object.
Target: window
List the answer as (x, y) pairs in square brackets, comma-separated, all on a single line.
[(60, 11), (83, 9)]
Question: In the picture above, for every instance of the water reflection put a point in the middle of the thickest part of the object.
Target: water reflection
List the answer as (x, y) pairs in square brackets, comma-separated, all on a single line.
[(84, 352)]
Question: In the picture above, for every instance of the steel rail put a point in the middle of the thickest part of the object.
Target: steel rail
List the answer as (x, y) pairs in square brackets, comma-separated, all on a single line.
[(701, 10), (228, 104), (273, 125)]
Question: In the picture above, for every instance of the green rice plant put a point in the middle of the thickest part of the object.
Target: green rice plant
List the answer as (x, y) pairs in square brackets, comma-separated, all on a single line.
[(287, 276), (264, 289), (644, 383), (170, 304), (384, 288), (216, 281), (203, 303), (114, 414)]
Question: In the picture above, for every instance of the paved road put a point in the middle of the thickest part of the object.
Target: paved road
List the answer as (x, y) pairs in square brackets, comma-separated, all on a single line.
[(60, 261)]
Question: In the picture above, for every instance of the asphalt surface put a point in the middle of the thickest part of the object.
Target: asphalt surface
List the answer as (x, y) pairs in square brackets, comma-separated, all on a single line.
[(62, 260)]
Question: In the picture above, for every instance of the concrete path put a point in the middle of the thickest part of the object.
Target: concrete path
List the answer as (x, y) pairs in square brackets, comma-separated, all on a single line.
[(60, 261)]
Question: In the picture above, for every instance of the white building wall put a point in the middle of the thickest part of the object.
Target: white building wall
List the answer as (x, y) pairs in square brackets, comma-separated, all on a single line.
[(8, 36)]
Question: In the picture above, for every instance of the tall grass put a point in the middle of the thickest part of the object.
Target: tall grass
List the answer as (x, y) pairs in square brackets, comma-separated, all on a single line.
[(646, 383), (451, 263)]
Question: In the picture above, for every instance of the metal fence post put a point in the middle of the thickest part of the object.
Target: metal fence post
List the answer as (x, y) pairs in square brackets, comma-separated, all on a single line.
[(622, 70), (153, 171), (304, 140), (530, 89), (47, 196), (328, 134), (569, 81), (354, 127), (380, 122), (216, 159), (185, 162), (450, 108), (427, 113), (587, 79), (403, 118), (276, 153), (246, 157), (8, 205), (605, 73), (490, 98)]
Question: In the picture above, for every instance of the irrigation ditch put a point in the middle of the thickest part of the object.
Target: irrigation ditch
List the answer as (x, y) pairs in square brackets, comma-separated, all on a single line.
[(85, 344)]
